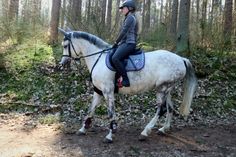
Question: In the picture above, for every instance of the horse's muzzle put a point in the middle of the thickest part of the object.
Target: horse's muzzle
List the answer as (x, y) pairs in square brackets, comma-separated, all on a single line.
[(64, 63)]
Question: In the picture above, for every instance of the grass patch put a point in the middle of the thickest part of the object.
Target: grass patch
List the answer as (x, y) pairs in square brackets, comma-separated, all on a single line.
[(49, 119)]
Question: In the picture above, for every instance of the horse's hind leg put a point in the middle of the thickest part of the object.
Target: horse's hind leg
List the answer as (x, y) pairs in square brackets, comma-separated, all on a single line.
[(88, 119), (169, 114), (161, 98)]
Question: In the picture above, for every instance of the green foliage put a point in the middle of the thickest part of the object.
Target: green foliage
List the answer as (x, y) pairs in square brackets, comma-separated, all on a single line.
[(17, 107), (29, 75), (157, 38), (101, 110), (145, 46), (49, 119), (20, 65), (219, 70), (230, 103), (213, 63)]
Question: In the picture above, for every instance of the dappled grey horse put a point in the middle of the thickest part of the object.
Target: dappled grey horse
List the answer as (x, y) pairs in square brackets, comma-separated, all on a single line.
[(162, 71)]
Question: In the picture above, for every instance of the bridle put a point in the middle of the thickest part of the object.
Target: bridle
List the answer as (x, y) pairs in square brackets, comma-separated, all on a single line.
[(79, 58), (67, 38)]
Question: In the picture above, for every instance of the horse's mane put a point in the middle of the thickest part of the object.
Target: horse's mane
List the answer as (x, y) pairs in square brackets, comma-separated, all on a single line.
[(92, 39)]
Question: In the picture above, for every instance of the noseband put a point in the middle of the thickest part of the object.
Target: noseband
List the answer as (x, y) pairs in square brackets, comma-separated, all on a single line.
[(67, 38)]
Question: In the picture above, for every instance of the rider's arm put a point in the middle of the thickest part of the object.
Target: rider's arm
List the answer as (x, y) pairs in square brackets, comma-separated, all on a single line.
[(127, 24)]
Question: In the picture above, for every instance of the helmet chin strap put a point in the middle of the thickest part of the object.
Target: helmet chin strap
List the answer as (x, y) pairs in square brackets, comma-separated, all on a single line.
[(127, 12)]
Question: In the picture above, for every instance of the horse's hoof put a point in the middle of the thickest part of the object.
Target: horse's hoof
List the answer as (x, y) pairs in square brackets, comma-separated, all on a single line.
[(114, 131), (142, 138), (80, 133), (108, 141), (160, 132)]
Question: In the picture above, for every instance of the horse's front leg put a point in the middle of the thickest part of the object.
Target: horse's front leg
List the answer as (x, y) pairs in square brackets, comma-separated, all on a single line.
[(111, 114), (88, 119)]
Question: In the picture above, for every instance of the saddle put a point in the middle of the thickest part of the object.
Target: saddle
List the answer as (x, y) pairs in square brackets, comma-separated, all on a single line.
[(133, 62)]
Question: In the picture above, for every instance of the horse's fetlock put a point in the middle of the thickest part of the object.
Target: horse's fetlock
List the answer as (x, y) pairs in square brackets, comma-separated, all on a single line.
[(113, 126), (87, 123)]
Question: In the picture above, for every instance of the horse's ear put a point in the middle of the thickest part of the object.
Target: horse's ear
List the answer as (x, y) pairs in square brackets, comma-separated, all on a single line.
[(62, 31)]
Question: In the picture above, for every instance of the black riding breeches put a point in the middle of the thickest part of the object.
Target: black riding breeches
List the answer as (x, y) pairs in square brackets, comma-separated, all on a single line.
[(118, 56)]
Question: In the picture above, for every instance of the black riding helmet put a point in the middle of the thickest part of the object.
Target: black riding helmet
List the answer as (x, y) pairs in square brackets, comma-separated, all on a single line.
[(130, 4)]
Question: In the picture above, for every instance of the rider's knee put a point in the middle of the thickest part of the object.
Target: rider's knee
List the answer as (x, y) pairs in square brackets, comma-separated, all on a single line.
[(114, 59)]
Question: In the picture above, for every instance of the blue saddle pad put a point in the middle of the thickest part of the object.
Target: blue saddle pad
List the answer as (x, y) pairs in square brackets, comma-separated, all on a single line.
[(133, 62)]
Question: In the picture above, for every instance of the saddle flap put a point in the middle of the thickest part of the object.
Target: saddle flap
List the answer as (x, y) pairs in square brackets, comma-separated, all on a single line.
[(134, 62)]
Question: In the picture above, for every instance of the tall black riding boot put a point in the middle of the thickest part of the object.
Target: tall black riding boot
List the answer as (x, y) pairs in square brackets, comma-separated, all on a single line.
[(125, 81)]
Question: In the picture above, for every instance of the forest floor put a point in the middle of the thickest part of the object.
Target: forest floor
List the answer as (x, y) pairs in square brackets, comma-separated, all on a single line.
[(41, 109), (23, 136)]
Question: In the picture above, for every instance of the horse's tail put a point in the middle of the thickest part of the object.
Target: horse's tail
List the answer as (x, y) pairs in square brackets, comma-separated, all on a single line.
[(190, 84)]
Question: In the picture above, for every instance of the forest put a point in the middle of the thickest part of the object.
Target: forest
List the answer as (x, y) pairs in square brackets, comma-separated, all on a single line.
[(37, 97)]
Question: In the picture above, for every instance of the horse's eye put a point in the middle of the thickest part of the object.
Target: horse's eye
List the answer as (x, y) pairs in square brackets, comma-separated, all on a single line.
[(65, 46)]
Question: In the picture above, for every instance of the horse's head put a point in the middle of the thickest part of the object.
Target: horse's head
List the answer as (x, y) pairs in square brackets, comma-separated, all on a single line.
[(66, 57), (71, 49), (76, 42)]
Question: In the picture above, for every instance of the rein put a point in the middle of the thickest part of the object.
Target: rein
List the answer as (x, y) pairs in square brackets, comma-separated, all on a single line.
[(99, 52)]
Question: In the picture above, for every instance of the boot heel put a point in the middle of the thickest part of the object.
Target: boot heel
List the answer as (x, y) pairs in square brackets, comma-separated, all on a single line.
[(126, 82)]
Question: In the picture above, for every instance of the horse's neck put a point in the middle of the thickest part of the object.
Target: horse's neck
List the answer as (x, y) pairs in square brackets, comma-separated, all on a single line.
[(88, 49)]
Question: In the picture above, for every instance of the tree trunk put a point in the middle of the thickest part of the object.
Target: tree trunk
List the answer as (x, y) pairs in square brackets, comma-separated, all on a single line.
[(228, 24), (13, 9), (55, 14), (148, 15), (183, 28), (37, 8), (88, 12), (198, 6), (203, 21), (167, 11), (161, 12), (35, 11), (76, 14), (155, 16), (63, 13), (109, 15), (173, 23), (117, 16), (234, 18), (103, 13), (4, 8), (215, 17), (143, 17)]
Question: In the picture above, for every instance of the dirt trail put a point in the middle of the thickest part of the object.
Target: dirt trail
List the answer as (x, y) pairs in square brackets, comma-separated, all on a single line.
[(20, 137)]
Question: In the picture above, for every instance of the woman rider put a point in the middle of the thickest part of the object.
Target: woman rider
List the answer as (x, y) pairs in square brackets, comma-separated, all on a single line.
[(126, 40)]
